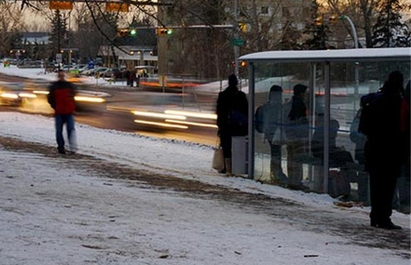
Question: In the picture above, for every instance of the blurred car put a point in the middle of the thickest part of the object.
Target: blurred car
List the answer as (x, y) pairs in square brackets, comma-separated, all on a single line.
[(105, 73), (117, 73), (12, 61), (12, 94), (83, 68), (92, 72), (67, 67), (76, 68), (99, 72)]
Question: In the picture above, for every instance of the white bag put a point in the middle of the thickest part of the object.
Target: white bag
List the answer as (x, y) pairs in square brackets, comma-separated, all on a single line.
[(218, 159)]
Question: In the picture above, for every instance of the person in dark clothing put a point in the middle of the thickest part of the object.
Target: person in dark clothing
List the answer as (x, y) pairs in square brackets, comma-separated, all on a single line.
[(296, 130), (61, 99), (132, 77), (127, 76), (338, 184), (232, 116), (268, 120), (385, 152)]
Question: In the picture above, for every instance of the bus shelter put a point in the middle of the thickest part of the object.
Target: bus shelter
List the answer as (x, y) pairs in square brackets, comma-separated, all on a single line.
[(336, 80)]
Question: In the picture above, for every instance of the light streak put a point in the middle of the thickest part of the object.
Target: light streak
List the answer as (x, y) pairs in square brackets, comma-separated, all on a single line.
[(194, 123), (193, 114), (43, 92), (9, 95), (89, 99), (161, 124), (27, 95), (157, 115)]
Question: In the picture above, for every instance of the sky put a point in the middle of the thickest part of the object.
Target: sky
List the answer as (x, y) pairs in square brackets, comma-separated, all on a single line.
[(81, 210)]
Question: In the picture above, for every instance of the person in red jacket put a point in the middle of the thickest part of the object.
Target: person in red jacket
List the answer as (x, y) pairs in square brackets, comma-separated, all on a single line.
[(61, 99)]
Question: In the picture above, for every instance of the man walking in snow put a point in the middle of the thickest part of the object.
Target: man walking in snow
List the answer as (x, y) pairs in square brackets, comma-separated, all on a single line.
[(61, 99)]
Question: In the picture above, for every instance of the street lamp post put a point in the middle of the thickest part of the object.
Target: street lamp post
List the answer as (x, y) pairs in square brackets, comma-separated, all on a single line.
[(354, 32), (357, 65)]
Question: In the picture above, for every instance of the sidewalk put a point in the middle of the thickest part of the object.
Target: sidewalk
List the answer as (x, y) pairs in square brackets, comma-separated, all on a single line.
[(80, 209)]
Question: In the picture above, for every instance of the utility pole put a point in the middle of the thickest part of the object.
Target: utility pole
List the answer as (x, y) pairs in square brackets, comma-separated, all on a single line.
[(58, 54), (236, 47)]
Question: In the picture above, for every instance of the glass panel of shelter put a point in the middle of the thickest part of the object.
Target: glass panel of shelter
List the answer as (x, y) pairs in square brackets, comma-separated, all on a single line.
[(348, 82)]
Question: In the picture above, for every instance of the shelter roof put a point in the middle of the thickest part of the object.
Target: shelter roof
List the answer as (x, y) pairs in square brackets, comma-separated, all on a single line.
[(369, 54)]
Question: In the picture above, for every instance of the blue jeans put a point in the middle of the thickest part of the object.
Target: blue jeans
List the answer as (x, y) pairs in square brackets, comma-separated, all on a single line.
[(60, 120)]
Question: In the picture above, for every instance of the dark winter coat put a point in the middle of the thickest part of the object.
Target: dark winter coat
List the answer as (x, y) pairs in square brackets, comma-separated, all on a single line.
[(269, 118), (381, 121), (229, 100), (61, 97), (297, 126), (338, 156)]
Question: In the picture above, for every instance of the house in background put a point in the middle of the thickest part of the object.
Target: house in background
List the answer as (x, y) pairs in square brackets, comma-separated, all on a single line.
[(33, 46), (128, 56), (35, 38), (131, 51)]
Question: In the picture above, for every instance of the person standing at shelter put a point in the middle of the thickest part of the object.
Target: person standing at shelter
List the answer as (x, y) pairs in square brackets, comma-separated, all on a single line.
[(384, 123), (296, 128), (61, 99), (232, 110), (268, 120)]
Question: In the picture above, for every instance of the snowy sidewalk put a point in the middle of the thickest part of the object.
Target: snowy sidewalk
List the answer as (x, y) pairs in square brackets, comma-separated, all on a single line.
[(127, 199)]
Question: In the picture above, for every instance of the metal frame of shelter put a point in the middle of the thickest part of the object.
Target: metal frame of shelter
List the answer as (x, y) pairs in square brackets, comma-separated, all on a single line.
[(318, 56)]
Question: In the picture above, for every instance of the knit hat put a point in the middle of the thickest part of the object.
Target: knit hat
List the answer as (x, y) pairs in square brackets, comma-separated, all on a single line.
[(232, 80), (275, 93), (299, 89), (276, 88), (394, 83)]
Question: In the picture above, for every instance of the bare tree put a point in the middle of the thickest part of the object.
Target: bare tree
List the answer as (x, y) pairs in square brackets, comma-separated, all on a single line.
[(10, 25)]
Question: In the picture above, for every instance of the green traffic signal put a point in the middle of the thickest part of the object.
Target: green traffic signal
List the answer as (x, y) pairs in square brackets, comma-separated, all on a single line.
[(133, 32)]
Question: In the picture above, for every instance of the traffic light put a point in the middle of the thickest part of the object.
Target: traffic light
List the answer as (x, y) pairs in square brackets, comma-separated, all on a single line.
[(117, 7), (242, 26), (243, 63), (133, 32), (164, 31), (318, 21), (333, 19), (124, 32), (61, 5)]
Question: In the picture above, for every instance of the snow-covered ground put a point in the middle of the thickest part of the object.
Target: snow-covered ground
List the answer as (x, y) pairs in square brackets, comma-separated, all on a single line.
[(62, 210)]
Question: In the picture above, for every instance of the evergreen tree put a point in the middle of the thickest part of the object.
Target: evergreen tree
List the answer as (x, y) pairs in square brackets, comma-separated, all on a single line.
[(59, 32), (16, 40), (389, 31)]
